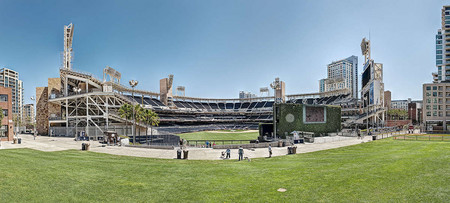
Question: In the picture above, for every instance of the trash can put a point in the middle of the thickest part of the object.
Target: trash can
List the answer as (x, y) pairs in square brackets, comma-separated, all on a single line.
[(294, 150), (280, 143), (178, 154), (19, 140), (15, 141), (289, 150), (374, 137), (185, 154), (83, 147), (301, 141), (87, 146)]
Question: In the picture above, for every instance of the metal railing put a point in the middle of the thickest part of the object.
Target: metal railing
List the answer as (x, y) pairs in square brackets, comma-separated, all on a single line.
[(202, 143), (427, 137)]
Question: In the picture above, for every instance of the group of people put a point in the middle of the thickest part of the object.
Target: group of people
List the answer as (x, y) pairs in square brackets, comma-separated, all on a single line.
[(227, 153), (209, 144)]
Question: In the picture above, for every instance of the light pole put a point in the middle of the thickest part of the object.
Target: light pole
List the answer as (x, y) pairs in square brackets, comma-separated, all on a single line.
[(76, 90), (34, 117), (367, 120), (133, 84)]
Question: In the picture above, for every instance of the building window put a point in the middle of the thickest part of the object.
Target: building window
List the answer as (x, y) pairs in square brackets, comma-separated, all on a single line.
[(428, 113), (4, 131), (428, 88), (434, 87), (3, 97), (5, 112)]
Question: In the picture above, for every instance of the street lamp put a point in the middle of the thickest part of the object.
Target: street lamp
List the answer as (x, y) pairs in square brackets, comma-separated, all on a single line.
[(133, 84), (34, 122), (367, 120), (76, 90)]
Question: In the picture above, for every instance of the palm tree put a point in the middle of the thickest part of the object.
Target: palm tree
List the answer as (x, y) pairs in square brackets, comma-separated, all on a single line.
[(138, 116), (125, 111), (152, 119)]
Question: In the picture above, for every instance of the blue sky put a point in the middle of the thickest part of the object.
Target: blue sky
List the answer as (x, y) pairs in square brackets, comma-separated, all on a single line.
[(217, 48)]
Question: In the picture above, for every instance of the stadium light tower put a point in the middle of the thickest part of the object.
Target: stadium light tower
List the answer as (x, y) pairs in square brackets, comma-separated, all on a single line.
[(264, 91), (133, 84), (68, 38), (181, 91), (278, 90)]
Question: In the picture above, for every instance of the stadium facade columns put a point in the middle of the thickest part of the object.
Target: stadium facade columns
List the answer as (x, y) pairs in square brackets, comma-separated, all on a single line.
[(165, 89)]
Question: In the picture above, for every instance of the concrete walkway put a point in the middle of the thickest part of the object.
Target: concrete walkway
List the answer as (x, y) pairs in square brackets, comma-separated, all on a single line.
[(44, 143)]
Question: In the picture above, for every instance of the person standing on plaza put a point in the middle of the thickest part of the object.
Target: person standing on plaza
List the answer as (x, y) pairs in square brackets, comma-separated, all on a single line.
[(241, 153), (270, 151), (228, 153)]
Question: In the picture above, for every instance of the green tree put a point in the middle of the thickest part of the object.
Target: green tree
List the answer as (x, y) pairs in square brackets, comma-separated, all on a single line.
[(2, 116), (397, 114), (138, 116), (125, 112), (151, 119)]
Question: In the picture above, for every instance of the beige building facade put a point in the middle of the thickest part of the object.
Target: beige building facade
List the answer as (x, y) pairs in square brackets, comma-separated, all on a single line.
[(436, 106)]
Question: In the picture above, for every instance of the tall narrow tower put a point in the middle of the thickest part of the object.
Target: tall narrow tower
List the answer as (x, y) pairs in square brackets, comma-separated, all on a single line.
[(68, 37)]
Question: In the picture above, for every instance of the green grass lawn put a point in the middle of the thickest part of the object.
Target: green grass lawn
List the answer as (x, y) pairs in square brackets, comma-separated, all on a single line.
[(205, 135), (379, 171)]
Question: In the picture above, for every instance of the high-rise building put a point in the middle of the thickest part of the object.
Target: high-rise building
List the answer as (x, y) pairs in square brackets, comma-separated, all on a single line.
[(341, 75), (443, 48), (440, 75), (400, 104), (10, 78), (436, 95), (28, 113)]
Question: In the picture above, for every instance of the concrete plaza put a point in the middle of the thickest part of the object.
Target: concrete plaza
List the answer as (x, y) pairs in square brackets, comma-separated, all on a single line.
[(44, 143)]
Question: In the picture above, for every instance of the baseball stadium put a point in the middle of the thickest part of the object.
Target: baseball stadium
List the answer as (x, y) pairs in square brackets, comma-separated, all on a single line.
[(78, 104)]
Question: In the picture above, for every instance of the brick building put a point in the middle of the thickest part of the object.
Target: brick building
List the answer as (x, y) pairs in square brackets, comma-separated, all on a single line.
[(7, 128), (47, 113)]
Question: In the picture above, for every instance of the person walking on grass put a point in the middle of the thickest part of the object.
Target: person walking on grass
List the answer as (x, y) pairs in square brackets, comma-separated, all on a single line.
[(241, 153), (270, 151), (228, 153)]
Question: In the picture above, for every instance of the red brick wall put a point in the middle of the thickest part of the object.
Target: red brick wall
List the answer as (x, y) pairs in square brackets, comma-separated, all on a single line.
[(42, 110), (393, 123), (7, 120)]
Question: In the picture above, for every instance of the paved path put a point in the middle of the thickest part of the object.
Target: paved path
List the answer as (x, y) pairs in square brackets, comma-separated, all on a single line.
[(44, 143)]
